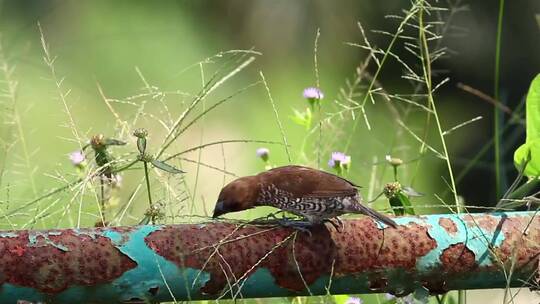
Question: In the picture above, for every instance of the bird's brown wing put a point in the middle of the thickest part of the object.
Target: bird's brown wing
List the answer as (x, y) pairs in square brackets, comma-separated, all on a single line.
[(307, 182)]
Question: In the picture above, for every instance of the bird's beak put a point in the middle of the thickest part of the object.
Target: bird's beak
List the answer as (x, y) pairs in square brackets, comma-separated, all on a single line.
[(219, 209)]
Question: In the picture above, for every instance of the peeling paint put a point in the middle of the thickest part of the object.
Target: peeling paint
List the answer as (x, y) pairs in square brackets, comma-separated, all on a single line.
[(203, 261), (58, 260)]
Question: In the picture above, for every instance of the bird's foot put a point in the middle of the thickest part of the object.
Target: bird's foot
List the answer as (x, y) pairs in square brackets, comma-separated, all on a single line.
[(303, 226), (336, 222)]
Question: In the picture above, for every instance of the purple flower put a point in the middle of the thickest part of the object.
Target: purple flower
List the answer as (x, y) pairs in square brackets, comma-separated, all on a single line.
[(354, 300), (313, 93), (77, 158), (389, 296), (339, 159), (263, 153)]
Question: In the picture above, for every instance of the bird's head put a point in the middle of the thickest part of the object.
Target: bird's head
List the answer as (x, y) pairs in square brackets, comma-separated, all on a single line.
[(238, 195)]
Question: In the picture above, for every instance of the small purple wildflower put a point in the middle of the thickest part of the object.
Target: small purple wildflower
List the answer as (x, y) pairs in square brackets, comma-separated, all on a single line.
[(313, 93), (354, 300), (263, 153), (77, 158), (339, 159), (389, 296)]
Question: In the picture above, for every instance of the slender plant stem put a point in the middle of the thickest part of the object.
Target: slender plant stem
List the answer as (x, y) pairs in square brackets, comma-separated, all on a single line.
[(497, 97), (148, 187), (102, 198), (318, 82), (462, 296), (426, 65)]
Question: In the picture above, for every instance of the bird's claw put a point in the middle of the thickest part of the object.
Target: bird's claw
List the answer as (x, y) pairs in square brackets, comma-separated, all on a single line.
[(303, 226), (337, 224)]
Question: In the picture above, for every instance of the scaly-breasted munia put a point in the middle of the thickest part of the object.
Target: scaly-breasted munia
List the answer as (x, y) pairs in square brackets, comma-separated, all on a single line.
[(313, 194)]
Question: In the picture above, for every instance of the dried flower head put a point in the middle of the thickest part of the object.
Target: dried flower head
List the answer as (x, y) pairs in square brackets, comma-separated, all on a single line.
[(394, 161), (97, 141), (140, 133)]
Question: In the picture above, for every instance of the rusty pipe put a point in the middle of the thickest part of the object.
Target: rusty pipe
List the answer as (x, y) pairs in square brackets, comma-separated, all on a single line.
[(223, 260)]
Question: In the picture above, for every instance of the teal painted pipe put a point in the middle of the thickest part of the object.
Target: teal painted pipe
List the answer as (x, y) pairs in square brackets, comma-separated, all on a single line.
[(222, 260)]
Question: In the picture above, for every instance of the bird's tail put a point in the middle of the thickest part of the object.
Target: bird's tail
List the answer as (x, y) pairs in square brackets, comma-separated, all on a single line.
[(359, 208)]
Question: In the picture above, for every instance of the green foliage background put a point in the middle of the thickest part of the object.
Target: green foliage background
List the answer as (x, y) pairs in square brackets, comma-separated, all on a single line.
[(130, 48)]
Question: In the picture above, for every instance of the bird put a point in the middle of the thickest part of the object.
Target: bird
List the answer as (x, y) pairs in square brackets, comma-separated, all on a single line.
[(315, 195)]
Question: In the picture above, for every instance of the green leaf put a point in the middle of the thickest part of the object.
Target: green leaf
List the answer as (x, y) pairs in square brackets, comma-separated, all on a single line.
[(401, 203), (405, 202), (529, 153), (114, 142), (340, 299), (302, 118), (533, 110), (397, 207), (166, 167), (411, 192)]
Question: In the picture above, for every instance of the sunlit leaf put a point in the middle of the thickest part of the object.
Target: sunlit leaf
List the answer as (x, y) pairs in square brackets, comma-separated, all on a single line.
[(531, 148), (302, 118)]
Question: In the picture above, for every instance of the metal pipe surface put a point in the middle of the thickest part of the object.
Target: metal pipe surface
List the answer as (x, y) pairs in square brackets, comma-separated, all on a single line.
[(222, 260)]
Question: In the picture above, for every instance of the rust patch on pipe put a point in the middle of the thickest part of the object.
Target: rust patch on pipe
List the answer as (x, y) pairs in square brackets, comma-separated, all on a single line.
[(361, 246), (458, 258), (51, 262), (240, 250), (521, 243), (448, 225), (486, 221)]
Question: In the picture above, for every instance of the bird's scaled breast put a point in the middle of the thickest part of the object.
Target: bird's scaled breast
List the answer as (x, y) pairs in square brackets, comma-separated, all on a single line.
[(320, 207)]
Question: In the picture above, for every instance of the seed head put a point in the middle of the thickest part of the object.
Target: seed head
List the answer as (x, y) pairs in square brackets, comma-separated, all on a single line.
[(140, 133), (394, 161), (97, 142), (392, 189)]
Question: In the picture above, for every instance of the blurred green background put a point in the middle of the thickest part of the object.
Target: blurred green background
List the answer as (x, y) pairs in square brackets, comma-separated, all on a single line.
[(103, 43)]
